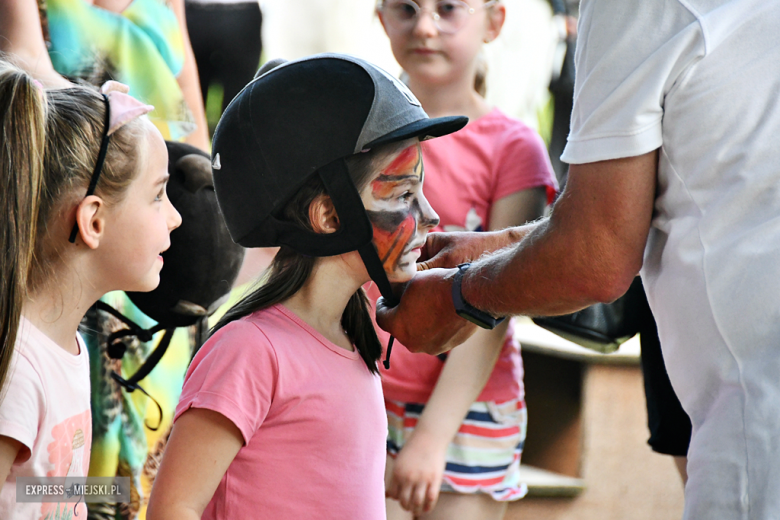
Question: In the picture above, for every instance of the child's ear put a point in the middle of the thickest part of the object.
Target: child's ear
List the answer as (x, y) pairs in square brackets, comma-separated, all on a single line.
[(323, 216), (378, 14), (91, 221), (496, 18)]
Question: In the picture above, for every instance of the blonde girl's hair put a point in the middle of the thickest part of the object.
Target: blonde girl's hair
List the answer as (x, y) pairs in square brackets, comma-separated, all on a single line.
[(480, 78), (22, 122), (48, 149)]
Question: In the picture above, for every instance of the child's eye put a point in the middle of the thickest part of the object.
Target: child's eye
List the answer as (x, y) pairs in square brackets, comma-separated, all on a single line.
[(406, 195), (160, 196), (448, 9)]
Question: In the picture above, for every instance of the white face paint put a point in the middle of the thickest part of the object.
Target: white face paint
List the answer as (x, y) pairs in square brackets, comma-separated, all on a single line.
[(400, 215)]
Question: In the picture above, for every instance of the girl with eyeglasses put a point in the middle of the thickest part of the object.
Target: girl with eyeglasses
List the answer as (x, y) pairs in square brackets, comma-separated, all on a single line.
[(457, 425)]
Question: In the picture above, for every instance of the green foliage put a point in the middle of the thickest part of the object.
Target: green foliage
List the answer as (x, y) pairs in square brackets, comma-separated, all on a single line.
[(214, 106), (545, 114)]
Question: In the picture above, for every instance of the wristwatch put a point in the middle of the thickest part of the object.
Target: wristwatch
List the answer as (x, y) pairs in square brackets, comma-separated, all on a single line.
[(466, 311)]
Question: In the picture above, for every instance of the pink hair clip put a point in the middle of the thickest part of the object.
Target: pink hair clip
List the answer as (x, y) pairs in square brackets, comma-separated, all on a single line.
[(124, 108)]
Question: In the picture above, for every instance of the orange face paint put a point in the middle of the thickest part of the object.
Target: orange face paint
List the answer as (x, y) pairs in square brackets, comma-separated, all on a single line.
[(391, 236), (396, 188), (405, 167)]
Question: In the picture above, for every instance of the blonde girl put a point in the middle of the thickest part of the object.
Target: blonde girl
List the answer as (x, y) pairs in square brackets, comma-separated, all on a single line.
[(457, 424), (84, 212)]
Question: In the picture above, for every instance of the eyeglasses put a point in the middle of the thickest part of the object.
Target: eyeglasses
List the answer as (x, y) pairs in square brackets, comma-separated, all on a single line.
[(449, 16)]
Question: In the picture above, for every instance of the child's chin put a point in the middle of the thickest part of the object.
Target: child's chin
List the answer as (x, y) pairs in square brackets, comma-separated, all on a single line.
[(402, 274), (148, 285)]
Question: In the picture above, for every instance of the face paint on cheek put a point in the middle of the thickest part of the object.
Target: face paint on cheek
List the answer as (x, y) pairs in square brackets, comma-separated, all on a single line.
[(392, 232)]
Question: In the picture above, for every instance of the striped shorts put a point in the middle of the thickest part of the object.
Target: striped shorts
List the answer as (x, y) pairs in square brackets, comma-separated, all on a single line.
[(484, 456)]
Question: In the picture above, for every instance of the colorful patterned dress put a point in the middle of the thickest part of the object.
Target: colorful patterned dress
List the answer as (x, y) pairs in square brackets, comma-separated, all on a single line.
[(141, 47), (123, 441)]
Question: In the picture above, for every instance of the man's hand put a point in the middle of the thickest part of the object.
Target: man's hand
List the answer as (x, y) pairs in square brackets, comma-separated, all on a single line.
[(414, 478), (447, 250), (425, 320)]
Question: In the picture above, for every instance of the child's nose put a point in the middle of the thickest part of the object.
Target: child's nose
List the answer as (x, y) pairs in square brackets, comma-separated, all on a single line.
[(425, 26), (174, 217), (428, 217)]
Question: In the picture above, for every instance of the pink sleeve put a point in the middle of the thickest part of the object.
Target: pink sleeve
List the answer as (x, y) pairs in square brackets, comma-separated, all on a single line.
[(522, 163), (22, 406), (235, 374)]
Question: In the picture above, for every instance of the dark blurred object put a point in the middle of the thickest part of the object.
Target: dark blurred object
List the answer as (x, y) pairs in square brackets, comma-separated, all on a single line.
[(226, 40), (602, 327), (200, 267), (669, 425), (562, 89), (202, 262)]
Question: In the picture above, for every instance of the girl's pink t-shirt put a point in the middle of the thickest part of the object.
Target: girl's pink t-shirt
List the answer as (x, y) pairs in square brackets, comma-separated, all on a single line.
[(311, 415), (465, 174), (46, 407)]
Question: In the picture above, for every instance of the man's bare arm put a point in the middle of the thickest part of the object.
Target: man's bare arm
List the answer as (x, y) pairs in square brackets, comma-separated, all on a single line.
[(190, 84), (21, 38), (588, 251)]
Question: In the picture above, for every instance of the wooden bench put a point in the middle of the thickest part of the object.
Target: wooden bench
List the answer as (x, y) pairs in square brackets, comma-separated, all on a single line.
[(586, 454)]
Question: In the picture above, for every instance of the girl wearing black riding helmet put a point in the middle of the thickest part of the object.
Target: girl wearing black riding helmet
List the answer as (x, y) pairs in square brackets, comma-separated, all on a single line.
[(282, 414)]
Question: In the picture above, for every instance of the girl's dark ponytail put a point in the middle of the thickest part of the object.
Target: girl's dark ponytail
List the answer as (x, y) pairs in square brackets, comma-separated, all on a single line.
[(356, 321), (285, 277), (23, 123)]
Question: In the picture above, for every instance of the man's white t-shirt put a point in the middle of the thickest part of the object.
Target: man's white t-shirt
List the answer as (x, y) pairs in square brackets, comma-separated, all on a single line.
[(701, 80)]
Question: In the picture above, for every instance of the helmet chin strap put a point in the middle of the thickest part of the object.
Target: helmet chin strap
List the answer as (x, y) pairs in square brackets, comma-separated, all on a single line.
[(377, 273), (346, 199)]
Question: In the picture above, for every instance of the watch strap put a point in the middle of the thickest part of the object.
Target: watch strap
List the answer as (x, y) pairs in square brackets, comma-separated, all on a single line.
[(466, 310)]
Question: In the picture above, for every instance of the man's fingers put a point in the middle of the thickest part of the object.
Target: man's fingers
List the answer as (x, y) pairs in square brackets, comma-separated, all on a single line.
[(384, 314), (431, 246), (430, 263), (439, 260), (424, 266), (425, 321)]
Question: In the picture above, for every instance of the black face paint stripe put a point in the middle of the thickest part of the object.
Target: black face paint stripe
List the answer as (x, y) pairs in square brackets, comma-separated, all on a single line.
[(387, 220), (420, 217)]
